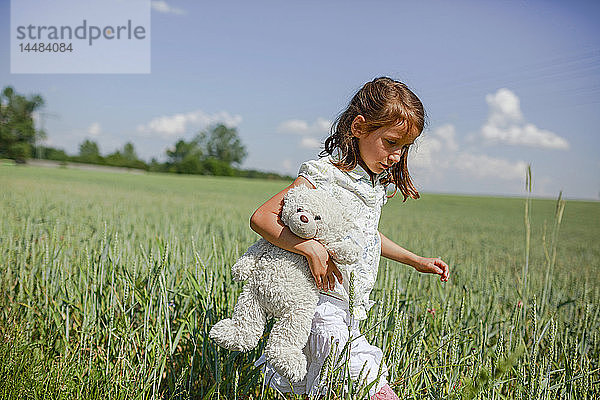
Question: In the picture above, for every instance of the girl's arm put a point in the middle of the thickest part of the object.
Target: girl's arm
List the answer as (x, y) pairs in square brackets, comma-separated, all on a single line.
[(267, 223), (391, 250)]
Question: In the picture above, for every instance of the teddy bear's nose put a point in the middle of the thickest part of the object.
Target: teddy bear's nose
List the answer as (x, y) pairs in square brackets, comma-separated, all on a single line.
[(304, 218)]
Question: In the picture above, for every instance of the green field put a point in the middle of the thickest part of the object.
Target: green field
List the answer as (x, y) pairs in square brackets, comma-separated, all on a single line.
[(110, 283)]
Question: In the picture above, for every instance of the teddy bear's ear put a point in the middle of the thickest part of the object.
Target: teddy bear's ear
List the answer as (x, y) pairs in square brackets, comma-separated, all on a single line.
[(291, 201)]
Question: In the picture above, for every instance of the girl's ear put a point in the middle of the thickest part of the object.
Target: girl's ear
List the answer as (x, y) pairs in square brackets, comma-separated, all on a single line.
[(357, 126)]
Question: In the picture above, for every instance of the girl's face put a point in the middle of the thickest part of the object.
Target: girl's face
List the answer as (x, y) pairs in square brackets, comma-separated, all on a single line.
[(382, 148)]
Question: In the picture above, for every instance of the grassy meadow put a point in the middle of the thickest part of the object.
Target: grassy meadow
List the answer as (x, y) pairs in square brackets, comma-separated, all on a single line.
[(109, 284)]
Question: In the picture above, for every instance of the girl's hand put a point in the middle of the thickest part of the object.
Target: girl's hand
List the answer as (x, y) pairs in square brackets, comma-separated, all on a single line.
[(433, 266), (321, 265)]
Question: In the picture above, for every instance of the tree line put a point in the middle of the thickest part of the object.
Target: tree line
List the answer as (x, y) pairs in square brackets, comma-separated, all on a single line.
[(216, 150)]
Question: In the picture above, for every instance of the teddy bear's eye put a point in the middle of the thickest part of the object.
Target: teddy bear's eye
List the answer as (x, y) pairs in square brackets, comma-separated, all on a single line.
[(317, 217), (299, 210)]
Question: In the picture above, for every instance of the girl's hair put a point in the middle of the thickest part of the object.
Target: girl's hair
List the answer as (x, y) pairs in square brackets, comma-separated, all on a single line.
[(382, 102)]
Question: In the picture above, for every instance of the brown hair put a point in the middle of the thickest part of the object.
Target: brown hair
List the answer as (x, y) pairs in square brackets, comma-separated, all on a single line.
[(382, 102)]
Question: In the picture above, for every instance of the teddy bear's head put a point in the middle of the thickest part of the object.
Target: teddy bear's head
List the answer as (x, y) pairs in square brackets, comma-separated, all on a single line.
[(315, 214)]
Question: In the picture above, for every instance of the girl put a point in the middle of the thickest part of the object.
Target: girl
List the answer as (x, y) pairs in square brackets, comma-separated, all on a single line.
[(366, 152)]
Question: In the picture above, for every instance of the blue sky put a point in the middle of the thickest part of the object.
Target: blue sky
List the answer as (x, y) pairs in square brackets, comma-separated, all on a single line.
[(504, 84)]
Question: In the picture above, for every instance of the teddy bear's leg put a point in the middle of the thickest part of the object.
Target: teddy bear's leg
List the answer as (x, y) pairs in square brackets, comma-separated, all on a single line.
[(242, 331), (286, 341)]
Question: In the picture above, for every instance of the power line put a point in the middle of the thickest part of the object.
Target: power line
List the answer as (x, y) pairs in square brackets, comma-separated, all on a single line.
[(569, 68)]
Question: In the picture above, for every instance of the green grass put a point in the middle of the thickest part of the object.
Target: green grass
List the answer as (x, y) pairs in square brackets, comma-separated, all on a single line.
[(111, 282)]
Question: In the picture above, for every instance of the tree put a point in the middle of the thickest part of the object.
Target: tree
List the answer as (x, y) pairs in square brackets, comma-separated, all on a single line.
[(182, 150), (185, 157), (211, 152), (50, 153), (89, 152), (224, 144), (129, 152), (126, 157), (17, 129), (213, 166)]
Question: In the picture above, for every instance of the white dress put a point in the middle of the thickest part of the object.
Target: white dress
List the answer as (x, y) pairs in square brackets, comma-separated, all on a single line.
[(332, 317)]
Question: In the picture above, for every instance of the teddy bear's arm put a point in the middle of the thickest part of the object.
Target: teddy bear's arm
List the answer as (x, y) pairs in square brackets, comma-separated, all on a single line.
[(344, 251), (247, 262)]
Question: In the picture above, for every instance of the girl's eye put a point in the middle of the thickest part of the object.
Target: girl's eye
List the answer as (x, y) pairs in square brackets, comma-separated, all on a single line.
[(317, 218), (299, 210), (390, 142)]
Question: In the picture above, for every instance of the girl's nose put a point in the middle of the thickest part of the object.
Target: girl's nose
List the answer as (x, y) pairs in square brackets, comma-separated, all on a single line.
[(394, 157)]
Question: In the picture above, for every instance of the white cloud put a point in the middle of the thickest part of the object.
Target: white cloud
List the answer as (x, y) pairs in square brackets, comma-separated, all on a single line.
[(297, 126), (311, 133), (308, 142), (447, 134), (300, 127), (287, 165), (439, 153), (322, 126), (163, 7), (506, 124), (435, 150), (94, 129), (525, 135), (169, 126), (483, 166), (504, 107)]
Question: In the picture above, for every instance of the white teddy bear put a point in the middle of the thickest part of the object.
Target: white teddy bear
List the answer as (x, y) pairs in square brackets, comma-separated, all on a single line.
[(280, 284)]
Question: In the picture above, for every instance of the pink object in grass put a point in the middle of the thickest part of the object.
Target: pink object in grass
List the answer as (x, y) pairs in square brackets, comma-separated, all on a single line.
[(385, 393)]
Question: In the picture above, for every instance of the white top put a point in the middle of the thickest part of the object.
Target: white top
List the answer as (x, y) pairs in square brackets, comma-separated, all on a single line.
[(364, 198)]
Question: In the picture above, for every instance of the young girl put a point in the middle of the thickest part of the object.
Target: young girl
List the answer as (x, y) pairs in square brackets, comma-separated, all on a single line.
[(366, 152)]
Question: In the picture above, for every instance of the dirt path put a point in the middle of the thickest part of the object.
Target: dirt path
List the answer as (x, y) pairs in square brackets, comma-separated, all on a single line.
[(89, 167)]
